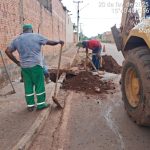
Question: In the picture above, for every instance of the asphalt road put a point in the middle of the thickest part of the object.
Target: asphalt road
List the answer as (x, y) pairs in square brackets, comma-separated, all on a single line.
[(90, 122)]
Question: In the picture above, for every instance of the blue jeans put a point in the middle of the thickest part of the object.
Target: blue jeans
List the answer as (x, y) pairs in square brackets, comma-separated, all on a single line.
[(96, 62), (96, 57)]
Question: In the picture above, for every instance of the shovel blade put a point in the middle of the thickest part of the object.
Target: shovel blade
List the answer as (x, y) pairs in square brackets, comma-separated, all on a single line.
[(56, 102)]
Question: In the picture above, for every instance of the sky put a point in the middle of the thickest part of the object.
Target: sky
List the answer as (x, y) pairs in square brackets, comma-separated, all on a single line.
[(96, 16)]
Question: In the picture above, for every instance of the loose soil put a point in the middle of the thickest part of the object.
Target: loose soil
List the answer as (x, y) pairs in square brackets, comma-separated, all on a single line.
[(88, 83), (110, 65)]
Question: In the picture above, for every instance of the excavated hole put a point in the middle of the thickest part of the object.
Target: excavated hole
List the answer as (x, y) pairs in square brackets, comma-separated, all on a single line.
[(53, 74), (79, 80)]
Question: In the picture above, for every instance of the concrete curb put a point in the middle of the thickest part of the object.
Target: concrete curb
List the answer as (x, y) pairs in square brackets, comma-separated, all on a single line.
[(26, 141)]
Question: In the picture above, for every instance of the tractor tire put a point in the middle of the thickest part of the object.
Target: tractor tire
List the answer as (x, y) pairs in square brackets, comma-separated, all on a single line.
[(135, 85)]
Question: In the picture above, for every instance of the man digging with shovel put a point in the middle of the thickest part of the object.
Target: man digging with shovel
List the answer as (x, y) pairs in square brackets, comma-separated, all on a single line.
[(96, 47), (28, 46)]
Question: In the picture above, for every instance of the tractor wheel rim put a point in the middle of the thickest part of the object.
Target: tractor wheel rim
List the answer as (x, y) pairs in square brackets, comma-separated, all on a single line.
[(132, 87)]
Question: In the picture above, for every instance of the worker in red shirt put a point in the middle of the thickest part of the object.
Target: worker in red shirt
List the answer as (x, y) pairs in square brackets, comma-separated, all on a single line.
[(96, 47)]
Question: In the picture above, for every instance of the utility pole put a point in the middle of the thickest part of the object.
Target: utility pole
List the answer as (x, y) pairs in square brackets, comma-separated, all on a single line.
[(81, 32), (78, 17)]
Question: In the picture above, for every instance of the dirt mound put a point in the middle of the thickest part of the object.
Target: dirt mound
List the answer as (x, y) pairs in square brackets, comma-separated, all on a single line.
[(88, 83), (110, 65)]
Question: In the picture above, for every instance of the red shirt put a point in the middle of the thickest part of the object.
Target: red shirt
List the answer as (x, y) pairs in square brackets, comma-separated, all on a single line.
[(93, 44)]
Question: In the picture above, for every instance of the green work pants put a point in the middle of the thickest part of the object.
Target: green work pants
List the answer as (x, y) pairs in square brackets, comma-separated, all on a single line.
[(34, 80)]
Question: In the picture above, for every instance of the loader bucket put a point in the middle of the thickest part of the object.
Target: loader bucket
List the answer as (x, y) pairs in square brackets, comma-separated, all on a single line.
[(117, 37)]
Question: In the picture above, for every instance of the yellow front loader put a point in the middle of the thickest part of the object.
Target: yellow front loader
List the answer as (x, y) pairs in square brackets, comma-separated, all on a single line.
[(133, 39)]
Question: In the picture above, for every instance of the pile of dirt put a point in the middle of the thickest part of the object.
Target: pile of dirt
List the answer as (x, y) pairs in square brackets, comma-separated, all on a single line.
[(110, 65), (88, 83)]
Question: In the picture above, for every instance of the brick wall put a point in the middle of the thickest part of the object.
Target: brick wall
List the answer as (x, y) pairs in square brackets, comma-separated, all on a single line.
[(52, 24)]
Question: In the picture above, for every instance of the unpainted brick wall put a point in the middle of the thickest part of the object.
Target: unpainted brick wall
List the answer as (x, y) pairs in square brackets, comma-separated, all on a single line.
[(14, 13)]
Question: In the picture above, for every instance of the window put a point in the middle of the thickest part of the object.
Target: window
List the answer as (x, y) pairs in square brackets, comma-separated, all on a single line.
[(47, 4)]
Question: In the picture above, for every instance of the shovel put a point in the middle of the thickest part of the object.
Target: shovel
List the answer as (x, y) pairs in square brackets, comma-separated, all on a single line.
[(55, 100), (93, 66), (13, 89)]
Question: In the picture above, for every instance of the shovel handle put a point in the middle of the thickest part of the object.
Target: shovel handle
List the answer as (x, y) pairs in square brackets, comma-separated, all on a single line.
[(58, 69), (7, 72)]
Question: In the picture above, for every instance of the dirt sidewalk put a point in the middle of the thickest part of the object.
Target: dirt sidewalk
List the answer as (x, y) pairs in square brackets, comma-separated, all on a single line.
[(15, 119)]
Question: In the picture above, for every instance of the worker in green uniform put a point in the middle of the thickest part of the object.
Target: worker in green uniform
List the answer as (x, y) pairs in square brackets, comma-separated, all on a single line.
[(28, 46)]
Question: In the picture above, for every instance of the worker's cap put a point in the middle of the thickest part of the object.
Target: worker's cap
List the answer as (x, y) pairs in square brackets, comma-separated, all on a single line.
[(27, 26)]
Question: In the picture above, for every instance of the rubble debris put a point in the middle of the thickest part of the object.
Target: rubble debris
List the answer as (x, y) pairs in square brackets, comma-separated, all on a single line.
[(110, 65), (88, 83)]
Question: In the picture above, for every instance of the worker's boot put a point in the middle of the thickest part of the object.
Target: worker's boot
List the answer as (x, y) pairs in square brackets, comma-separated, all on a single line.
[(43, 106), (31, 108)]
